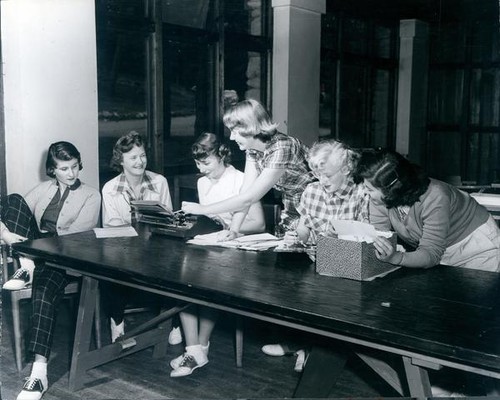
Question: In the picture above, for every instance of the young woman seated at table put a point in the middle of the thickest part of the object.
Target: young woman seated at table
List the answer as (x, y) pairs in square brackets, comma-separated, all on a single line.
[(133, 183), (273, 160), (335, 196), (59, 206), (220, 181), (441, 223)]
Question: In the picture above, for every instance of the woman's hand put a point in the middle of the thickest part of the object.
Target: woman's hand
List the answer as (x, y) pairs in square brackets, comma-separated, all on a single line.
[(226, 235), (291, 238), (192, 208), (11, 238), (385, 252)]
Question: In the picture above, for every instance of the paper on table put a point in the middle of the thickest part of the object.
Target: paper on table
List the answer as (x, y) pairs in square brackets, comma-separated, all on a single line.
[(118, 231), (260, 241), (357, 231)]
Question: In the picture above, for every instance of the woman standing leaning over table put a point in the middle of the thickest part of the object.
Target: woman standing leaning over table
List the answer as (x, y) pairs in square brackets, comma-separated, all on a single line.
[(443, 224), (59, 206), (133, 183), (273, 160)]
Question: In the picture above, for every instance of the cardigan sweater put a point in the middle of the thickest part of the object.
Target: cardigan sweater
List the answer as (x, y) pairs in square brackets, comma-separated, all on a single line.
[(79, 213), (443, 216)]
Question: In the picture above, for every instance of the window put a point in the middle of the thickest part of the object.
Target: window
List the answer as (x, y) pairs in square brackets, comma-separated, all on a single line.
[(358, 80), (166, 67)]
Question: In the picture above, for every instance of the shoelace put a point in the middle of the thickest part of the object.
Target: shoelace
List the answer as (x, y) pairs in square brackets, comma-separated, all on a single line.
[(20, 274), (188, 359), (30, 383)]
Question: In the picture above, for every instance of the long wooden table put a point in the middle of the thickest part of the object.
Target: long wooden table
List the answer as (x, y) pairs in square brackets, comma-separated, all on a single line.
[(443, 316)]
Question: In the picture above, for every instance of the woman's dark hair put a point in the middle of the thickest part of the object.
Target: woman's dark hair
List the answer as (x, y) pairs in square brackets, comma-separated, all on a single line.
[(209, 144), (124, 145), (62, 151), (400, 181)]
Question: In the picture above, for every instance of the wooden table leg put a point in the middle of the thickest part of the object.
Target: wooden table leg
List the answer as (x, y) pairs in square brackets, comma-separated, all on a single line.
[(83, 331), (418, 379), (324, 365)]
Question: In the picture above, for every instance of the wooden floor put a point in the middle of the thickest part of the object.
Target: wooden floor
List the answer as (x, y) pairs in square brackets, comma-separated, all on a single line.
[(142, 377)]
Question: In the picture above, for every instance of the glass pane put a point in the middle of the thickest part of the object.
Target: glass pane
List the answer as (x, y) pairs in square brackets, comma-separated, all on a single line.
[(443, 157), (447, 44), (244, 72), (485, 97), (192, 13), (245, 16), (326, 106), (485, 42), (122, 89), (352, 105), (383, 41), (483, 158), (355, 36), (445, 96), (380, 124)]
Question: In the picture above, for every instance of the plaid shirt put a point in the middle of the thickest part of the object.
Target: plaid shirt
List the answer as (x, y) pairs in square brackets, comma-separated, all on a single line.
[(288, 153), (320, 207), (117, 195)]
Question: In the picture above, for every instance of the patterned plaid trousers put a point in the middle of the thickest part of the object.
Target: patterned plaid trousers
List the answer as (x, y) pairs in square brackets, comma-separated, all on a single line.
[(48, 283), (17, 216), (48, 289)]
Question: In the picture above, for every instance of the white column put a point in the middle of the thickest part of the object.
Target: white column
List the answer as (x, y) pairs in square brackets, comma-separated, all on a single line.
[(412, 89), (296, 67), (50, 86)]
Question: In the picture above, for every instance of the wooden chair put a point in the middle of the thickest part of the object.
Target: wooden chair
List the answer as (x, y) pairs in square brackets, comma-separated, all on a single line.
[(17, 296), (184, 184)]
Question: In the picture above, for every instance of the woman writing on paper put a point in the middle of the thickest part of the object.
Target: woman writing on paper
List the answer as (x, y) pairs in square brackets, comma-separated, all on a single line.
[(273, 160), (220, 181), (443, 224)]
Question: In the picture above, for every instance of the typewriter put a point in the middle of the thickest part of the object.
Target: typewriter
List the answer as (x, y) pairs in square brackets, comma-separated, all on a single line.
[(177, 224)]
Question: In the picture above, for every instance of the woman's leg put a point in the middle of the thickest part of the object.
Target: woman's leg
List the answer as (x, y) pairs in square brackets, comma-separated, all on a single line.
[(189, 321), (48, 288), (18, 218), (208, 318)]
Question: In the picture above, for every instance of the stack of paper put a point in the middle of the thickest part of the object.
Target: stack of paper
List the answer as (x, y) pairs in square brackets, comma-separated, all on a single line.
[(119, 231), (257, 242)]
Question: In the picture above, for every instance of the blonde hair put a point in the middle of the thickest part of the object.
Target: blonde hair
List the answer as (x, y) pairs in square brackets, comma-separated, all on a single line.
[(250, 118), (322, 151)]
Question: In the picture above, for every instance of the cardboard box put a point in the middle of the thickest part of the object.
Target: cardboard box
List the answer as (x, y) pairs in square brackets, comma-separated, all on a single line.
[(349, 259)]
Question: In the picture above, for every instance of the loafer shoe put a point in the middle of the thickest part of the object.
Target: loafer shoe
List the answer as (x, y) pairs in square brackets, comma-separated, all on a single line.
[(33, 389), (276, 350), (187, 366), (175, 336), (19, 280)]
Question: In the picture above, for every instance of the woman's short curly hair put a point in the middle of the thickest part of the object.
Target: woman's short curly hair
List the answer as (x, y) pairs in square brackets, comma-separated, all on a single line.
[(62, 151), (250, 118), (400, 181), (124, 145), (208, 144), (323, 150)]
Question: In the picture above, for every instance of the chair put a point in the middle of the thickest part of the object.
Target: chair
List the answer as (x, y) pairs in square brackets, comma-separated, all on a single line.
[(186, 183), (16, 296)]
